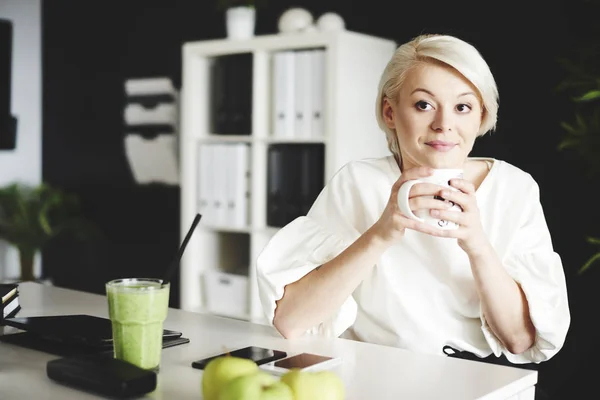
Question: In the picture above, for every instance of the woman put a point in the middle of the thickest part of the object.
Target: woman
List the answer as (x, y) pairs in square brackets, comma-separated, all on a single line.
[(356, 265)]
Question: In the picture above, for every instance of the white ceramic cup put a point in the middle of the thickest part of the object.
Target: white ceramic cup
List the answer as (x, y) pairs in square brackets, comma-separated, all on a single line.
[(439, 177)]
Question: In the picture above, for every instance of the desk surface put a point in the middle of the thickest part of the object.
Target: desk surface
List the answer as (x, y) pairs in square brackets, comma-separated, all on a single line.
[(368, 371)]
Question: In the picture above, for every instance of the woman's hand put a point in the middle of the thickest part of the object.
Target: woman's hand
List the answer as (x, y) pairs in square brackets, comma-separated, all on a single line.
[(469, 234), (392, 223)]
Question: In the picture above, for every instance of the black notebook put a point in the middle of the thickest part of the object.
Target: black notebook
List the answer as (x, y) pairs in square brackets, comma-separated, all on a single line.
[(71, 334)]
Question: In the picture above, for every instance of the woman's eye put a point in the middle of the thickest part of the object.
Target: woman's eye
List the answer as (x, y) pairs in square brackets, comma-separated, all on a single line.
[(423, 105), (463, 108)]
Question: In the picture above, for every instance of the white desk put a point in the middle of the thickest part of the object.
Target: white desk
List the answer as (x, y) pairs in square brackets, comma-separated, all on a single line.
[(369, 371)]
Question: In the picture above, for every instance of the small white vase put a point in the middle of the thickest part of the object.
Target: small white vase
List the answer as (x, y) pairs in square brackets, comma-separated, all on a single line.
[(240, 22)]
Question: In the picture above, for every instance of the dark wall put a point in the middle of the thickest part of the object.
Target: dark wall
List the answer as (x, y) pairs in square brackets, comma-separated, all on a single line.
[(91, 47)]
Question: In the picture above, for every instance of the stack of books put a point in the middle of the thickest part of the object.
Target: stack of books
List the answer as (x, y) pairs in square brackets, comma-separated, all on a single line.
[(10, 301)]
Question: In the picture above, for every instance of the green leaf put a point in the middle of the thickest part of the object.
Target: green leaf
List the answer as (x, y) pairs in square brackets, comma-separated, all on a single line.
[(581, 121), (589, 263), (593, 240), (569, 143), (589, 96), (569, 128)]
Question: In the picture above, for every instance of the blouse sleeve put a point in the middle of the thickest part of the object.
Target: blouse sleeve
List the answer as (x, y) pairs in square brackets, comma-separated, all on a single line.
[(533, 264), (308, 242)]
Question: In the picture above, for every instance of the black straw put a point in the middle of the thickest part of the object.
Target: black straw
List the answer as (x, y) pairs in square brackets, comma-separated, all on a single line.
[(175, 263)]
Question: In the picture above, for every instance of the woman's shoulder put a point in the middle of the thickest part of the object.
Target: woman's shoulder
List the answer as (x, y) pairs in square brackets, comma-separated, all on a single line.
[(512, 175), (370, 168)]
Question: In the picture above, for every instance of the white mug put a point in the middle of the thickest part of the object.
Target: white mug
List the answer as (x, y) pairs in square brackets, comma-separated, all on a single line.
[(440, 177)]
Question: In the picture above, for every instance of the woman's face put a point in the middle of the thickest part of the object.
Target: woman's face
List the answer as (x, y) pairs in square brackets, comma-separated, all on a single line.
[(436, 117)]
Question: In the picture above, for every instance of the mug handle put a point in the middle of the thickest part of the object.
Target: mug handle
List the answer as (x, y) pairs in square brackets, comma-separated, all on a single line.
[(403, 199)]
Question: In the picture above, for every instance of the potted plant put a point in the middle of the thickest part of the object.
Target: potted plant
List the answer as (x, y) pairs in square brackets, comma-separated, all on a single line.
[(582, 85), (30, 216), (240, 17)]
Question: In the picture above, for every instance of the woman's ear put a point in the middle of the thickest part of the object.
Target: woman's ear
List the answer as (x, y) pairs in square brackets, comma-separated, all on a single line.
[(388, 113)]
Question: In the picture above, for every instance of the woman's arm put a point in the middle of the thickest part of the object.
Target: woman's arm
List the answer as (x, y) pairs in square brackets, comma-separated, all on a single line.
[(313, 298), (319, 294), (503, 302)]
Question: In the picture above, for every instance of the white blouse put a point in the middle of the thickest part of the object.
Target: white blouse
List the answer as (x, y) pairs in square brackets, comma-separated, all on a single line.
[(421, 294)]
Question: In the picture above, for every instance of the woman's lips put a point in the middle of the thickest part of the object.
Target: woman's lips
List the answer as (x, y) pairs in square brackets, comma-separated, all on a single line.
[(439, 145)]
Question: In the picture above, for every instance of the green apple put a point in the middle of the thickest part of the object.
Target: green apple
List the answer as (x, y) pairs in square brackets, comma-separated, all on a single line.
[(220, 371), (318, 385), (256, 386)]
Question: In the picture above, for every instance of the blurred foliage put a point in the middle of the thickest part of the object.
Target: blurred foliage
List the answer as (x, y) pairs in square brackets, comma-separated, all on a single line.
[(30, 216), (581, 84)]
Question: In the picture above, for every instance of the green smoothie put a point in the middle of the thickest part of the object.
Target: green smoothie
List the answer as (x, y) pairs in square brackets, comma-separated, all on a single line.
[(137, 309)]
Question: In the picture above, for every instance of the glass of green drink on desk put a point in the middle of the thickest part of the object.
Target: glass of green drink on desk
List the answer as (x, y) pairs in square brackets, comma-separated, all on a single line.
[(137, 308)]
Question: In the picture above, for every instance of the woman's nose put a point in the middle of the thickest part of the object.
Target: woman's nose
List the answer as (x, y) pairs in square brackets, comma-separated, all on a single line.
[(442, 122)]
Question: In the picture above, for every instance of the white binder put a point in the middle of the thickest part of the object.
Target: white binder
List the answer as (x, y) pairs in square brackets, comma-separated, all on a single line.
[(219, 169), (283, 109), (318, 93), (303, 91), (205, 206), (241, 188)]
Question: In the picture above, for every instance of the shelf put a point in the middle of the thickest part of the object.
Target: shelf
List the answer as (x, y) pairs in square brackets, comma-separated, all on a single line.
[(227, 229), (225, 139), (350, 132), (250, 139), (296, 140), (275, 42)]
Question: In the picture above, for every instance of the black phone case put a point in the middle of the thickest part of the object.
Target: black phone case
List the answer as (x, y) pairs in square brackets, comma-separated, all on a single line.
[(103, 375), (277, 355)]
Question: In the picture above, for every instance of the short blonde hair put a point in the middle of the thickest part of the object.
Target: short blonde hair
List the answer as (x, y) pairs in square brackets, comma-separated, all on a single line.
[(448, 50)]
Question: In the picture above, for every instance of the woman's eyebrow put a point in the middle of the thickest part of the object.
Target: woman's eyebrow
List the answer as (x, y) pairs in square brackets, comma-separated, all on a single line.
[(423, 90), (433, 95), (466, 94)]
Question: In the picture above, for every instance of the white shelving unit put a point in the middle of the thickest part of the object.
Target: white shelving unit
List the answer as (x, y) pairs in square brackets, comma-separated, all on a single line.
[(353, 65)]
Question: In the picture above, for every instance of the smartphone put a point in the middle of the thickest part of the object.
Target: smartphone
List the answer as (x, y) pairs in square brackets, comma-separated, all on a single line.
[(303, 361), (259, 355), (102, 374)]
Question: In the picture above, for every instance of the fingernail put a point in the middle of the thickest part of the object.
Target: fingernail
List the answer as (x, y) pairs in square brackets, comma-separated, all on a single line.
[(445, 193), (435, 212)]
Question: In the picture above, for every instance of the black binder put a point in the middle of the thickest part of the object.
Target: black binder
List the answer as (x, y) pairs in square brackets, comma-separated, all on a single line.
[(231, 95), (312, 175), (295, 179)]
